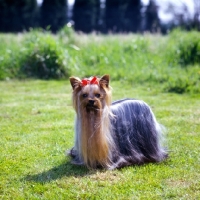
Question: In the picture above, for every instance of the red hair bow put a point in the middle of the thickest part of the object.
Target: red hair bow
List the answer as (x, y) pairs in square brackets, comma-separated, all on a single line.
[(91, 80)]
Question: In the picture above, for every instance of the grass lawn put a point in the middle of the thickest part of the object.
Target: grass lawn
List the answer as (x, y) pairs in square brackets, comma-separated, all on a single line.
[(36, 128)]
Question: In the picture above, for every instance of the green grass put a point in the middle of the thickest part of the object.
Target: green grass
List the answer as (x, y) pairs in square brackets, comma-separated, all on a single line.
[(36, 127)]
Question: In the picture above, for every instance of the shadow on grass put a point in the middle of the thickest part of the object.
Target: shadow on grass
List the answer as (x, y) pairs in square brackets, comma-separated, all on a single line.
[(66, 169)]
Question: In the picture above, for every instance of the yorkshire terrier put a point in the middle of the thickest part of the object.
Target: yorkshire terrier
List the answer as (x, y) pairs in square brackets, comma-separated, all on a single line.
[(112, 135)]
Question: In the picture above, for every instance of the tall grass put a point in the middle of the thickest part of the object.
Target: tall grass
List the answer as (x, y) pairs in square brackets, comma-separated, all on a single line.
[(136, 59), (168, 62)]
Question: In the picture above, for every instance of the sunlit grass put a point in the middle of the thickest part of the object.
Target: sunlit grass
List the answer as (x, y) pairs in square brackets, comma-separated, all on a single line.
[(36, 128)]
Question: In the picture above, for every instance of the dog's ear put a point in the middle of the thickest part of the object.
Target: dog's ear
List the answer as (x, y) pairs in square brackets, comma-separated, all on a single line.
[(75, 82), (104, 80)]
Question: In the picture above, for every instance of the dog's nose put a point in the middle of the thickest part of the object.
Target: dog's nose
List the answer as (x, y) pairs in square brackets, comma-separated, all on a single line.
[(91, 102)]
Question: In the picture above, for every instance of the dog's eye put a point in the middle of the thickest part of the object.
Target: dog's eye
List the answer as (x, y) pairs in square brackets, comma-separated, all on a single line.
[(84, 95), (97, 95)]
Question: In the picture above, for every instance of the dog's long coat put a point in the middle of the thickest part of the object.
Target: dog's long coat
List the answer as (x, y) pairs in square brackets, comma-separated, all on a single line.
[(136, 133), (112, 135)]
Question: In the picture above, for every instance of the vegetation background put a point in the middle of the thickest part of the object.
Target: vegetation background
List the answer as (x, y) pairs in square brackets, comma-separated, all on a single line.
[(170, 62)]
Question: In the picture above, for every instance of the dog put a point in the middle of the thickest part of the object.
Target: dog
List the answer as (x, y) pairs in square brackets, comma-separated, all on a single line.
[(112, 135)]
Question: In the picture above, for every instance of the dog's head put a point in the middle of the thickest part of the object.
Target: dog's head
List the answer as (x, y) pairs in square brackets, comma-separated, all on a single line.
[(91, 93)]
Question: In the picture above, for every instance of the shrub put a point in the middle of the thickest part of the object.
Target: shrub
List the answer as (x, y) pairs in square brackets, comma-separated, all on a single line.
[(185, 47), (66, 34), (179, 86), (182, 81), (44, 58), (10, 55)]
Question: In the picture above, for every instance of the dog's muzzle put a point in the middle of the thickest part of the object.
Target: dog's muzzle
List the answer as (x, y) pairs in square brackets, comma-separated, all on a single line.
[(91, 105)]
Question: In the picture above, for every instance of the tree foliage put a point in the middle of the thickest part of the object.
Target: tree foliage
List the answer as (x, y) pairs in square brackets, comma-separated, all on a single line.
[(152, 19), (97, 15), (86, 15), (132, 15), (16, 16), (123, 15), (113, 17), (53, 14)]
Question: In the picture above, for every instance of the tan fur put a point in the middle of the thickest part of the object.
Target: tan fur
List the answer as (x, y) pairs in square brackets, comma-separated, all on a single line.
[(94, 134)]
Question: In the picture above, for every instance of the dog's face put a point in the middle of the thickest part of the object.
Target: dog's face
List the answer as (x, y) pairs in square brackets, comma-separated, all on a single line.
[(92, 97), (92, 94)]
